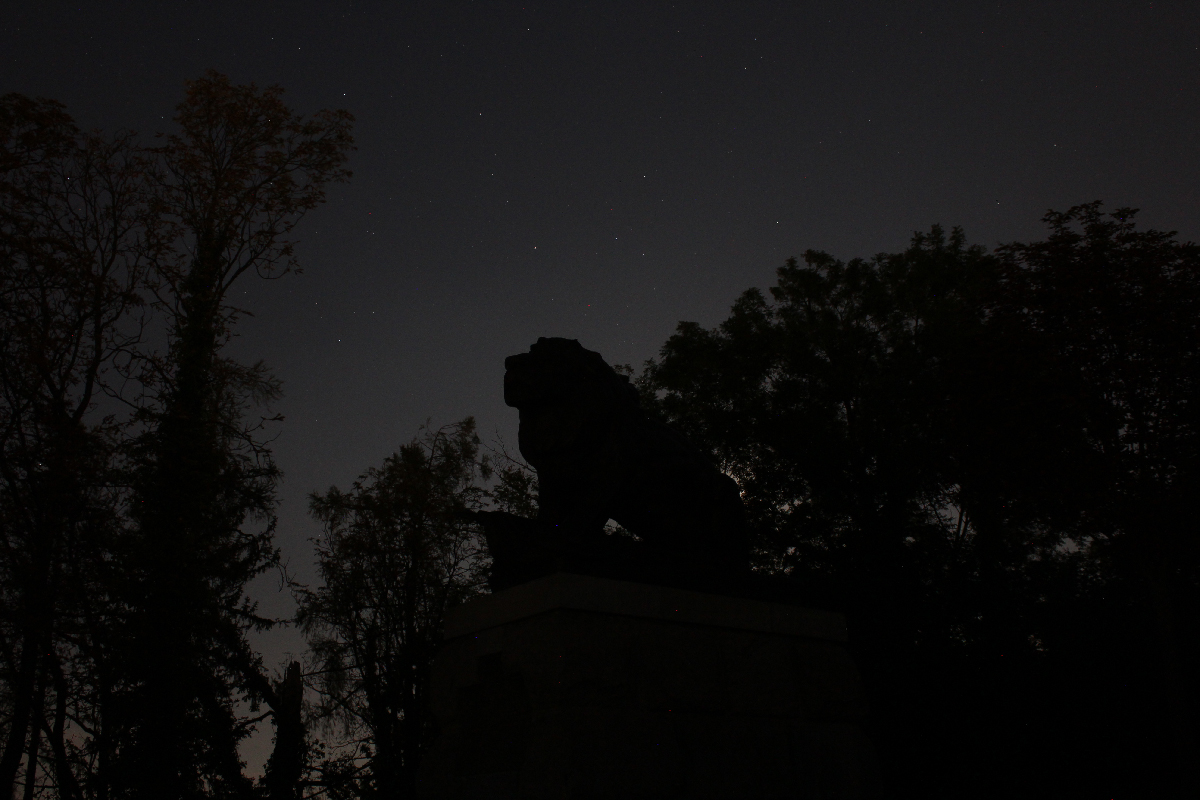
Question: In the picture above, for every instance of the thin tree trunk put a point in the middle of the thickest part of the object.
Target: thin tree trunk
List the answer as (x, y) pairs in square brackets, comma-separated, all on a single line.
[(68, 786), (31, 757), (23, 700), (35, 742), (287, 759)]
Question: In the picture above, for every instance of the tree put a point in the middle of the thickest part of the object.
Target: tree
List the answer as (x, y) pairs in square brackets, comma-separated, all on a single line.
[(827, 404), (967, 451), (77, 232), (137, 491), (233, 182), (396, 551), (285, 767), (1114, 314)]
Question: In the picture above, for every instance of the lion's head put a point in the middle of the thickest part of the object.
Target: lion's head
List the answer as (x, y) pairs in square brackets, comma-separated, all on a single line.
[(567, 396)]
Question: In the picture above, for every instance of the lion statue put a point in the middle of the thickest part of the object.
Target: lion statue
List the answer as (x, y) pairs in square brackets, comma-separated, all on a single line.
[(599, 457)]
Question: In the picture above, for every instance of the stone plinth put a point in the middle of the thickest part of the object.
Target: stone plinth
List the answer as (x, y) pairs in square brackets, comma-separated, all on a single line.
[(582, 687)]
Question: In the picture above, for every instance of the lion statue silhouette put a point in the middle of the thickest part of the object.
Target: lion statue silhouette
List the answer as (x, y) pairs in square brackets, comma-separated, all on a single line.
[(600, 457)]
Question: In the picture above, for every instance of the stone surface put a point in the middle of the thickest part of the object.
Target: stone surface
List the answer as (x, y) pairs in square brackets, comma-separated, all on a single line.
[(583, 687)]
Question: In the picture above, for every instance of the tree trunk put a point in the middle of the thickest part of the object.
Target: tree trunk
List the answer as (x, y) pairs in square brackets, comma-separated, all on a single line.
[(286, 766), (33, 642), (68, 786), (10, 762), (31, 757)]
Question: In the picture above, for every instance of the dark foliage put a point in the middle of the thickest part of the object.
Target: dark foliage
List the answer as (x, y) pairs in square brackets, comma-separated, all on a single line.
[(138, 490), (397, 550), (984, 459), (77, 236), (237, 178)]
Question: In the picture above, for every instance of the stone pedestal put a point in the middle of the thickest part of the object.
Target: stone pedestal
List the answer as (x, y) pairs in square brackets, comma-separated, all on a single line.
[(579, 687)]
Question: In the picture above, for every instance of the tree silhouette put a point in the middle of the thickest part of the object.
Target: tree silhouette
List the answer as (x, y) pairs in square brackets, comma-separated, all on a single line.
[(984, 458), (1114, 313), (396, 551), (137, 490), (77, 236), (233, 182)]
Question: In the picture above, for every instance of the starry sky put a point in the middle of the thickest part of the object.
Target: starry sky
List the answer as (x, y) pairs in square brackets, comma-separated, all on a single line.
[(602, 171)]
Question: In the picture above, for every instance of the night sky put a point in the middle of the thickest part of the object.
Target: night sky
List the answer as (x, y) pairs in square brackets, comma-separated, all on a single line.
[(602, 171)]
